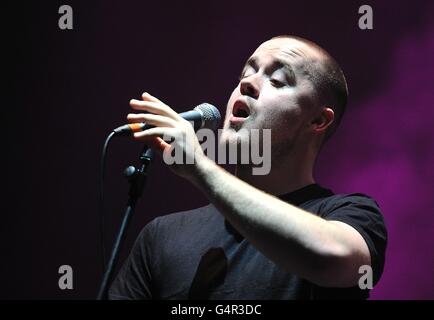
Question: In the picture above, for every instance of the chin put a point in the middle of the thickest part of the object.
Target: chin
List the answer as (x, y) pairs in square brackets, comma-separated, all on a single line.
[(235, 136)]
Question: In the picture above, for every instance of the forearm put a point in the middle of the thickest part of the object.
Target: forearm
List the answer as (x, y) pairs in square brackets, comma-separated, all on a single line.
[(297, 241)]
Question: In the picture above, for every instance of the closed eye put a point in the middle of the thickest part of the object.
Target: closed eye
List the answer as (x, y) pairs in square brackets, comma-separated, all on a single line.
[(277, 83)]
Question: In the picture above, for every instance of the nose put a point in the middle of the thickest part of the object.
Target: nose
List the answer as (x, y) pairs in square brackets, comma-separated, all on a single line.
[(249, 86)]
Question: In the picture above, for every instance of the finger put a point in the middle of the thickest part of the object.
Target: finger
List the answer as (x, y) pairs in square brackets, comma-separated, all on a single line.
[(162, 132), (146, 96), (152, 119), (154, 107)]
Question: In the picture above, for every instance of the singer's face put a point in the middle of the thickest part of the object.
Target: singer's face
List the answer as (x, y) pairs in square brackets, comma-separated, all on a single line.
[(275, 92)]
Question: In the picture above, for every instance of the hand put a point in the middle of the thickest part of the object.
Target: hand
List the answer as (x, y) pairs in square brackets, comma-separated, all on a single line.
[(173, 137)]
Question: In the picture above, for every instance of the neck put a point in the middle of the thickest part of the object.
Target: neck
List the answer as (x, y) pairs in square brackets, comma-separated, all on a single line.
[(286, 175)]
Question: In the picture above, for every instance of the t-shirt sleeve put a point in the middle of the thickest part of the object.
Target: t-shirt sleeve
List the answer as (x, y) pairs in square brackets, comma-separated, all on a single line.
[(363, 214), (134, 279)]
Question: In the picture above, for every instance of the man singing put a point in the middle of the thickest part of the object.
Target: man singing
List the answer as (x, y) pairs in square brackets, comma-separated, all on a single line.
[(274, 236)]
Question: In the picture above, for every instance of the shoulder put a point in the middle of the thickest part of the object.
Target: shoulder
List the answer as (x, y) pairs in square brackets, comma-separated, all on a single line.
[(354, 201), (357, 209), (352, 198)]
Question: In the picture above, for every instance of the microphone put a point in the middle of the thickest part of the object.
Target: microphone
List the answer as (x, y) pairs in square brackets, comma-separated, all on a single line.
[(204, 115)]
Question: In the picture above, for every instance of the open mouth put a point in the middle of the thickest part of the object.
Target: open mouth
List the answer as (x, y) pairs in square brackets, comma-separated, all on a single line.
[(240, 110)]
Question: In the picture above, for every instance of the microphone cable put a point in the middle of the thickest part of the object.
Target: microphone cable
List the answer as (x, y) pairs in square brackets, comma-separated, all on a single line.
[(101, 198)]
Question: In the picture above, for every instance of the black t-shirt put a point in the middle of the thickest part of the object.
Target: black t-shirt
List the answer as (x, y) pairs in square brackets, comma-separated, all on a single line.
[(197, 254)]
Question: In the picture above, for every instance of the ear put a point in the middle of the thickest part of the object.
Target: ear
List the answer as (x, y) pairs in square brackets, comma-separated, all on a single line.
[(323, 120)]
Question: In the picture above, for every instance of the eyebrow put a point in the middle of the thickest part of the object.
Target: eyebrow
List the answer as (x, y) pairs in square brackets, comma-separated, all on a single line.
[(277, 64)]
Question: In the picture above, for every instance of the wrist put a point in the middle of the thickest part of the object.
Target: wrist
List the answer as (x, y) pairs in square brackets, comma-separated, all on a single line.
[(203, 166)]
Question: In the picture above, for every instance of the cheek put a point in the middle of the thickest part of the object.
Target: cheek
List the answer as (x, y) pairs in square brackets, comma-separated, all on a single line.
[(281, 111), (284, 123)]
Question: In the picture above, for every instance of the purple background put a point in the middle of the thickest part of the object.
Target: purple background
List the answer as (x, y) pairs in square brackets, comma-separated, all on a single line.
[(68, 89)]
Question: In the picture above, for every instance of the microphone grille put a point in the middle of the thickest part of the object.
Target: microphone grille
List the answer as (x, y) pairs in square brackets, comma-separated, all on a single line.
[(211, 115)]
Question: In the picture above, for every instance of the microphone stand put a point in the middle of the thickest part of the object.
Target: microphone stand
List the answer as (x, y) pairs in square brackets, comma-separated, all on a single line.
[(136, 179)]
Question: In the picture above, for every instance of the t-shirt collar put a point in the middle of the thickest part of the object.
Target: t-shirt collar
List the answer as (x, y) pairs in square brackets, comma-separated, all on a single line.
[(306, 193)]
